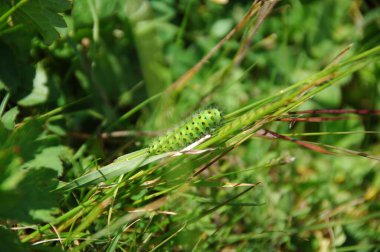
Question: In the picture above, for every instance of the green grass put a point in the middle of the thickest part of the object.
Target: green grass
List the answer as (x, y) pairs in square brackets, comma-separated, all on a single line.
[(78, 112)]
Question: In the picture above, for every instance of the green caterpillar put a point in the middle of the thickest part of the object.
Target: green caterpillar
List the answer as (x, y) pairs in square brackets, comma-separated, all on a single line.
[(193, 129)]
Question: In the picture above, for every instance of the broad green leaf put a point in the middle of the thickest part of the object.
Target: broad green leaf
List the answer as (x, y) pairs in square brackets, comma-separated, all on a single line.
[(30, 196), (82, 10), (20, 142), (40, 91), (50, 157), (16, 74), (10, 241), (8, 119), (155, 72), (44, 16), (27, 187)]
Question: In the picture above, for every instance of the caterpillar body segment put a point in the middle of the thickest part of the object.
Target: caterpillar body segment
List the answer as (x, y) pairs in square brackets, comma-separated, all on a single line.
[(194, 128)]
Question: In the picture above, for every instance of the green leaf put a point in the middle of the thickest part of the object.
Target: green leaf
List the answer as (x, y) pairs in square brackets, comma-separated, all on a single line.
[(20, 142), (29, 167), (16, 74), (8, 119), (30, 198), (40, 91), (50, 158), (44, 16), (10, 241)]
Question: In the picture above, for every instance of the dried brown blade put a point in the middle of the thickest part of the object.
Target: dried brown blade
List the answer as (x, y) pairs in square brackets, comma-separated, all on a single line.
[(211, 162), (266, 7), (337, 111), (308, 145), (178, 84), (315, 119), (349, 152)]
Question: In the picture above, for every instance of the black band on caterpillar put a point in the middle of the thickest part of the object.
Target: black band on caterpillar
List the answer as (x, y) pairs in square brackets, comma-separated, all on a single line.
[(193, 129)]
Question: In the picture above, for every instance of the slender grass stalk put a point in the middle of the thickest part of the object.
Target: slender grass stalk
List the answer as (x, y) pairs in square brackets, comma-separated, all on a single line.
[(9, 12)]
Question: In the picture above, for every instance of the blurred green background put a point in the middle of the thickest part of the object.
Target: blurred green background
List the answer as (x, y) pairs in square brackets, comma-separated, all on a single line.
[(113, 55)]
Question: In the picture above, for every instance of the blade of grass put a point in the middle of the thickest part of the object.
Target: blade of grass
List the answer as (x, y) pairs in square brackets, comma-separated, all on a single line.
[(208, 212), (4, 104), (112, 170)]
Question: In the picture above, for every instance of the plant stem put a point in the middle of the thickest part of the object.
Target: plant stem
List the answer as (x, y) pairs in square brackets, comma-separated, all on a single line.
[(4, 17)]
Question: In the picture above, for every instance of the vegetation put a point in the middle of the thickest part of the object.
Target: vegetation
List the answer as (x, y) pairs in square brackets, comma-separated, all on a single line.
[(292, 164)]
